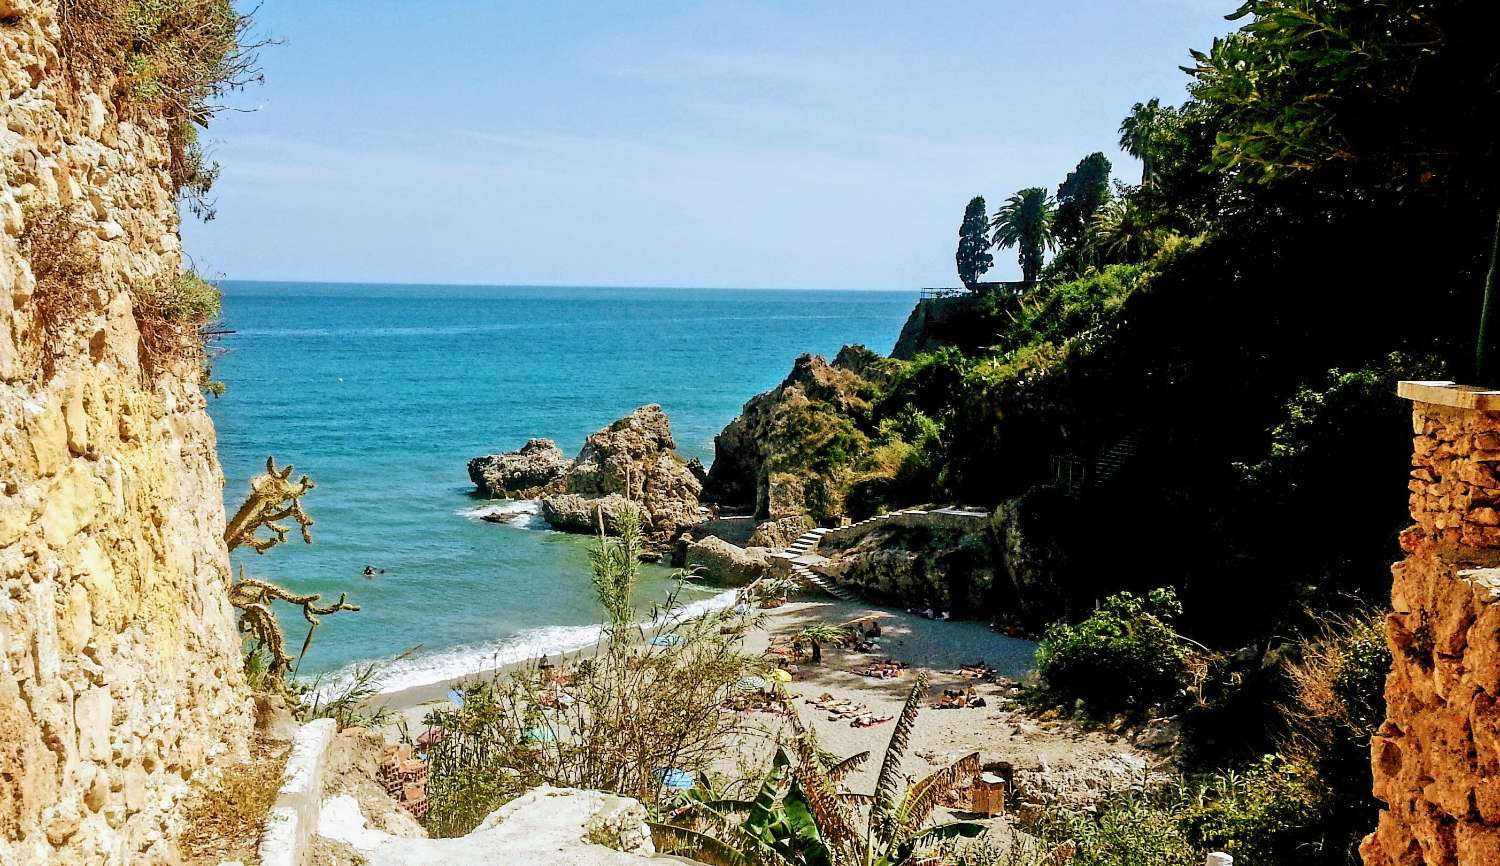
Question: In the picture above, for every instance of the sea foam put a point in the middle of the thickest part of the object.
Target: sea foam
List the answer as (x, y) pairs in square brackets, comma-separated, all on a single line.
[(527, 512), (427, 668)]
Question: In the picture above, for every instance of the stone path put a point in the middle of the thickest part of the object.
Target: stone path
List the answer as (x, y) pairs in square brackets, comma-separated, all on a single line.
[(800, 558)]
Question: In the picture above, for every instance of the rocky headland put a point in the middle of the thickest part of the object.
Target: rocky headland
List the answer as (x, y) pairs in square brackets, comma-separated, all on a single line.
[(779, 456), (633, 462)]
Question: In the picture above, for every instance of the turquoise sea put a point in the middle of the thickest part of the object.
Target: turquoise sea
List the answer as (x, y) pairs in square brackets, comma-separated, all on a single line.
[(383, 392)]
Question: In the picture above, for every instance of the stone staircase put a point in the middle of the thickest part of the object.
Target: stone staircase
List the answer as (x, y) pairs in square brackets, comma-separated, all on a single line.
[(800, 558), (1109, 463)]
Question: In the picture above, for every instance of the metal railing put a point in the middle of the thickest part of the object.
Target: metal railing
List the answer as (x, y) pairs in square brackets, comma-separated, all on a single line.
[(933, 293)]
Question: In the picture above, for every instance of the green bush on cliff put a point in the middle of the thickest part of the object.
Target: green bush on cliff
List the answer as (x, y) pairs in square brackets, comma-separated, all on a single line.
[(1124, 657), (168, 59), (1267, 815)]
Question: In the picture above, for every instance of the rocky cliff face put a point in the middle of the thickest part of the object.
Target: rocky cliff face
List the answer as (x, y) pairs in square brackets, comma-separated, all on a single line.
[(946, 568), (119, 671), (768, 456), (1436, 759)]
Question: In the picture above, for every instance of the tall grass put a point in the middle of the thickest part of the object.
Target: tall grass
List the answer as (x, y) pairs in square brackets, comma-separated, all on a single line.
[(648, 698)]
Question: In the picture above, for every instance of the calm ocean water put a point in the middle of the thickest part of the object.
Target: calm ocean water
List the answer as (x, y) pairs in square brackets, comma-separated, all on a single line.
[(382, 394)]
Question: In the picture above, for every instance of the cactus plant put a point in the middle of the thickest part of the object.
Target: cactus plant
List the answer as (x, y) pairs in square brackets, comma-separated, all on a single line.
[(273, 497)]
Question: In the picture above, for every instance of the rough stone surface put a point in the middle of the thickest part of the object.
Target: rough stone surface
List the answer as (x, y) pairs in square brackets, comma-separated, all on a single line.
[(913, 563), (780, 533), (526, 473), (723, 563), (1080, 786), (119, 673), (571, 512), (545, 827), (1436, 759), (634, 459), (770, 426)]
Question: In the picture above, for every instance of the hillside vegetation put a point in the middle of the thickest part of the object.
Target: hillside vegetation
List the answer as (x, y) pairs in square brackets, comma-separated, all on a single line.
[(1196, 393)]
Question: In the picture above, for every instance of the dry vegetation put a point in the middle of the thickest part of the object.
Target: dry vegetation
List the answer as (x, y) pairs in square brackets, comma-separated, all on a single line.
[(172, 59), (223, 821), (171, 313), (52, 240), (648, 699)]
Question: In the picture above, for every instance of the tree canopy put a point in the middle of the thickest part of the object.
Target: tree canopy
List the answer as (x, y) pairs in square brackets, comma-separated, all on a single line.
[(973, 256), (1025, 222)]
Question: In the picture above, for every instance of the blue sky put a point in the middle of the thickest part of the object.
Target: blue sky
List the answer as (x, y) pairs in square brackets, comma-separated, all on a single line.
[(797, 144)]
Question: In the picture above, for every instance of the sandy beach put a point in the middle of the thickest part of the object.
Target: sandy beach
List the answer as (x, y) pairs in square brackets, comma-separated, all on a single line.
[(999, 731)]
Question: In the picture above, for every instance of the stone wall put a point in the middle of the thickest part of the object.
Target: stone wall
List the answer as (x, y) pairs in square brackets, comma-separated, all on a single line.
[(1436, 759), (119, 674)]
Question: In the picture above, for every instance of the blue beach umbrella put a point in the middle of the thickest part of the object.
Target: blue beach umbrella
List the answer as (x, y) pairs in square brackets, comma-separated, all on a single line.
[(666, 640), (672, 777), (456, 697), (537, 735)]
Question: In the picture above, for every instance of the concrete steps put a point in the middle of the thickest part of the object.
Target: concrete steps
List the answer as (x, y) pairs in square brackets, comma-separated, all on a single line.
[(805, 575)]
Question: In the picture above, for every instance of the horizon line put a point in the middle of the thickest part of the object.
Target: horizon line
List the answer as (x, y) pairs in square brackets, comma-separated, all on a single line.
[(560, 285)]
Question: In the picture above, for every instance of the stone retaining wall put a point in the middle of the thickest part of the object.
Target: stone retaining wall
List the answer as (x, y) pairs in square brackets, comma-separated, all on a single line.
[(1436, 759)]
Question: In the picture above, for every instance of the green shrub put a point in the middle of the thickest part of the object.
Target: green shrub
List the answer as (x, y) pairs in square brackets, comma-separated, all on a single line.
[(1123, 657), (1268, 815), (1128, 829), (170, 314)]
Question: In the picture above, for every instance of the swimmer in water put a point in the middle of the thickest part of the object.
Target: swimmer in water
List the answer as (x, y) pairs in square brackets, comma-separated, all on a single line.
[(371, 571)]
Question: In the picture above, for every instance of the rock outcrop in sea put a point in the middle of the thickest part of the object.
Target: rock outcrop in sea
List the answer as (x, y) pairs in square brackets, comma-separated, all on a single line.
[(634, 460), (525, 473)]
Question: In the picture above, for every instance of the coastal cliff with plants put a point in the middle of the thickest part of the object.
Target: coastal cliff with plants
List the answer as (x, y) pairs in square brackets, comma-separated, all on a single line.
[(1108, 547), (120, 678)]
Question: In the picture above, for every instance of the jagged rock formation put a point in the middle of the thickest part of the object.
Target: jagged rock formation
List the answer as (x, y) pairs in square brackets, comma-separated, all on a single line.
[(766, 456), (120, 675), (633, 460), (1436, 759), (526, 473), (636, 457)]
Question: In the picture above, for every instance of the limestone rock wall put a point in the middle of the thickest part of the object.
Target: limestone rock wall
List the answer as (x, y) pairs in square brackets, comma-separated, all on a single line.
[(1436, 759), (119, 674)]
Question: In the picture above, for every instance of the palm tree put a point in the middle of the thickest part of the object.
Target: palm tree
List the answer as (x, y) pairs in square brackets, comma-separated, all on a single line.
[(1025, 222), (1140, 134), (818, 634), (1122, 232), (801, 817)]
